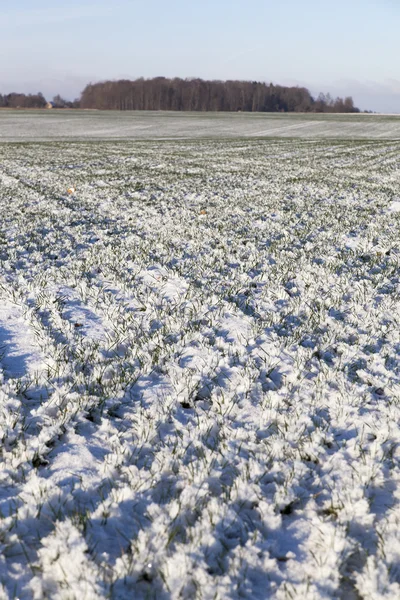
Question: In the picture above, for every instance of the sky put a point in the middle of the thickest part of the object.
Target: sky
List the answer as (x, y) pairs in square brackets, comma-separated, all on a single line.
[(346, 47)]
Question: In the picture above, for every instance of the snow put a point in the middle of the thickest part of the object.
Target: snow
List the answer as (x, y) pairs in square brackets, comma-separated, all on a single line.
[(83, 319), (122, 125), (394, 206), (200, 368), (20, 355)]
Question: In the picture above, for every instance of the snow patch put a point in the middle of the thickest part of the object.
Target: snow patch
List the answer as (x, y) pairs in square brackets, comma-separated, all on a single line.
[(19, 352)]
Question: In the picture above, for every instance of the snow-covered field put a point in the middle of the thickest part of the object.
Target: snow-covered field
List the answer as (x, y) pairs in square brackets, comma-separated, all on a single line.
[(45, 125), (200, 370)]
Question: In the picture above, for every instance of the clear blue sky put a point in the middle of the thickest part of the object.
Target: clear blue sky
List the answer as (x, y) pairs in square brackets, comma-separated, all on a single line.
[(346, 47)]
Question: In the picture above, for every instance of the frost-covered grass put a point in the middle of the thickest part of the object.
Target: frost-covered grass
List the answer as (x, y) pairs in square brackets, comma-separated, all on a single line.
[(200, 362), (34, 125)]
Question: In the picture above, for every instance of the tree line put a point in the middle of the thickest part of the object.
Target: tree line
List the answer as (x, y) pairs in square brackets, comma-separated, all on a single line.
[(161, 93), (15, 100), (19, 100), (178, 94)]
